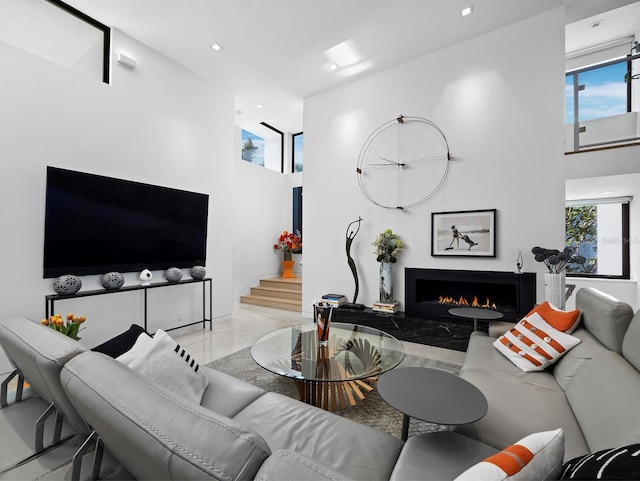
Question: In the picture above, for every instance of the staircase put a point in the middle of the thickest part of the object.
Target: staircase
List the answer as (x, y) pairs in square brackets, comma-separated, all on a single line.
[(277, 292)]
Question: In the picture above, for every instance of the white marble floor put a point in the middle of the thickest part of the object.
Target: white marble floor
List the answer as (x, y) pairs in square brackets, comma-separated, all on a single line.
[(248, 323)]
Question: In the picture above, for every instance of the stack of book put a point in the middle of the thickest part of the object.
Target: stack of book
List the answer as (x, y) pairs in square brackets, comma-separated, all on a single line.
[(335, 300), (386, 306)]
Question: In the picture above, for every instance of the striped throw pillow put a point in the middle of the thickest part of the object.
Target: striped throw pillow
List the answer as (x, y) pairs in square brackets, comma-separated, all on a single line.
[(533, 344), (537, 456)]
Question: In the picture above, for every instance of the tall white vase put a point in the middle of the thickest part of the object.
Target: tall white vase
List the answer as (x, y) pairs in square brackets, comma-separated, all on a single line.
[(386, 281), (554, 289)]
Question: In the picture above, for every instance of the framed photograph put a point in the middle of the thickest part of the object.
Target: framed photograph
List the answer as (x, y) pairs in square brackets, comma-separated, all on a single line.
[(470, 233)]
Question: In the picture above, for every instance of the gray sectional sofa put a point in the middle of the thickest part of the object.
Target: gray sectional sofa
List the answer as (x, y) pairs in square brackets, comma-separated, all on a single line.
[(592, 392), (239, 431)]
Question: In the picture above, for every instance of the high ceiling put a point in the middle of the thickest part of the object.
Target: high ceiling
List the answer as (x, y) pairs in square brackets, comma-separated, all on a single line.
[(275, 53)]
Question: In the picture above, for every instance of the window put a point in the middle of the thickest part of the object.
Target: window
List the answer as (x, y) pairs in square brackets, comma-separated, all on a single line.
[(252, 148), (599, 231), (599, 111), (297, 209), (58, 32), (297, 156), (263, 145)]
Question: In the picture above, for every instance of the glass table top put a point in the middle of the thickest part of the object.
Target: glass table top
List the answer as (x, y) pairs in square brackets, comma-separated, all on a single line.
[(353, 352)]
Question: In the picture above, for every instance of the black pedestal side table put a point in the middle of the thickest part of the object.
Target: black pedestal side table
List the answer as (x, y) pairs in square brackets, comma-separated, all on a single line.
[(431, 395)]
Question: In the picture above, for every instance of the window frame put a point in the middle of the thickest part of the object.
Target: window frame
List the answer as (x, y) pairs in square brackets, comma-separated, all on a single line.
[(577, 147), (281, 143), (293, 152), (106, 31), (625, 236)]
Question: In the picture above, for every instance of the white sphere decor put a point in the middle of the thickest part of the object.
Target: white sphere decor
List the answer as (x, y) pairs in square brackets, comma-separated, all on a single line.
[(67, 285)]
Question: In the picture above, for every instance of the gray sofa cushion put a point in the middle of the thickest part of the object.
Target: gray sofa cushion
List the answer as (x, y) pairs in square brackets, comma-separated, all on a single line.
[(286, 465), (40, 352), (328, 439), (439, 456), (604, 316), (227, 395), (154, 433), (631, 342), (574, 360), (519, 403), (604, 396)]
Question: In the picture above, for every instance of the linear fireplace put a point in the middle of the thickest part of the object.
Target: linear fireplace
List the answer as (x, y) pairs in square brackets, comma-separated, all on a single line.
[(430, 293)]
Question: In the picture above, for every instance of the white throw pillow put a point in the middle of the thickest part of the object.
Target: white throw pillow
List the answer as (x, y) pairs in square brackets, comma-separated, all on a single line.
[(533, 344), (537, 456), (138, 348), (164, 361)]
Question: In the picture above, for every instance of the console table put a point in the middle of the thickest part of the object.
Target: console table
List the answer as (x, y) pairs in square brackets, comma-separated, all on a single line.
[(52, 298)]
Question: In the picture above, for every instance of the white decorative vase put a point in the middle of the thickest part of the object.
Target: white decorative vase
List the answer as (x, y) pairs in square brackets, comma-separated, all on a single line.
[(386, 281), (554, 289)]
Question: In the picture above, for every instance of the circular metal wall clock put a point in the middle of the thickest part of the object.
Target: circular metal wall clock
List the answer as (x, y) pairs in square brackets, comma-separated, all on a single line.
[(403, 163)]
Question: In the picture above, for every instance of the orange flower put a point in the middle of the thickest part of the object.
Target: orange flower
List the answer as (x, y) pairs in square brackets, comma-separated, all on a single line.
[(44, 322), (83, 318)]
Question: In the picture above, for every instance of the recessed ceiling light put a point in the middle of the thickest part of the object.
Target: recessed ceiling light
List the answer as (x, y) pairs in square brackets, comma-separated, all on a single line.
[(216, 47), (334, 66), (466, 11), (608, 192), (259, 106)]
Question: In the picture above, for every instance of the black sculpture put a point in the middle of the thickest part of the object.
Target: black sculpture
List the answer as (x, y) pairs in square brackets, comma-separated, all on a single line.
[(350, 234)]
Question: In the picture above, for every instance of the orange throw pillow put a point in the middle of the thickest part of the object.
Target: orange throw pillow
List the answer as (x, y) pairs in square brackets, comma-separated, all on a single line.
[(565, 321)]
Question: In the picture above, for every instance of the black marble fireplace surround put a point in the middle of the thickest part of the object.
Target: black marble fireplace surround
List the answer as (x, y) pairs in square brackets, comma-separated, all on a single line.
[(426, 321)]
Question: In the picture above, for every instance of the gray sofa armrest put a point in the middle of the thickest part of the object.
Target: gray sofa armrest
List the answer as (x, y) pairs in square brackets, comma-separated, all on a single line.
[(285, 465), (39, 353), (155, 433)]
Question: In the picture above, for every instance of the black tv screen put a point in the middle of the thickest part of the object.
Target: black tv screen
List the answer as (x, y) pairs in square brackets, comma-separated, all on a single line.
[(96, 224)]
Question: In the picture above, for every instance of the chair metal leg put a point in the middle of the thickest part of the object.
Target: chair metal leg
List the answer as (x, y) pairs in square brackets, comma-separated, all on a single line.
[(39, 444), (4, 402), (19, 387), (77, 458), (97, 459), (57, 431)]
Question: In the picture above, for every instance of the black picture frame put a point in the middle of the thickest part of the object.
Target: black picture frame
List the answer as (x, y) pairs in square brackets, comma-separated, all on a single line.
[(469, 233)]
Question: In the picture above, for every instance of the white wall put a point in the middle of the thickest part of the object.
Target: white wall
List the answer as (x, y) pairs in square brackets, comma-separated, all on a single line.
[(159, 124), (502, 111), (263, 203)]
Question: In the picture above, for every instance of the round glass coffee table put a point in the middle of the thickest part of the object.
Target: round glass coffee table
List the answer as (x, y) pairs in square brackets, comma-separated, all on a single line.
[(331, 377)]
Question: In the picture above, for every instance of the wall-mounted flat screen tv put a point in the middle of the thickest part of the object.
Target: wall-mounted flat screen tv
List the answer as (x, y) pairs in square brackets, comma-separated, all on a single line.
[(96, 224)]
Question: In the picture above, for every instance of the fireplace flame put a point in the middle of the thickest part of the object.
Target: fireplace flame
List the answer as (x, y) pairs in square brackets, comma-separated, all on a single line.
[(462, 301)]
